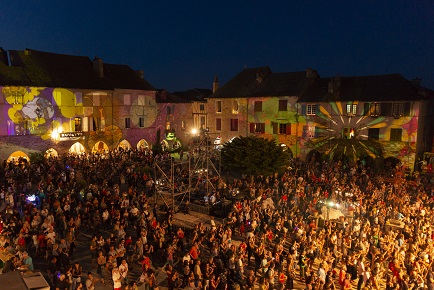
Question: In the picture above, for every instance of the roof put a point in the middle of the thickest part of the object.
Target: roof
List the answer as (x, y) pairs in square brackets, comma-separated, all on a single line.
[(389, 87), (260, 81), (194, 95), (45, 69), (163, 96), (189, 96)]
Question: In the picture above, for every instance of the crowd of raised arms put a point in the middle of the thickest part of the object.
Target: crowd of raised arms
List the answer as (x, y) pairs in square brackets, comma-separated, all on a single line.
[(279, 236)]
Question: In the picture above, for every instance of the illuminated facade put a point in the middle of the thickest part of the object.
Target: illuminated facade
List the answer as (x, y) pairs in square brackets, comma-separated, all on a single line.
[(65, 103), (181, 115), (369, 117)]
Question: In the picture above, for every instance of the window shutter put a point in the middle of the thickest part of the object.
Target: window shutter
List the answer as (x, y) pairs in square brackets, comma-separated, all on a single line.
[(288, 128), (305, 128), (386, 109), (317, 109), (262, 128), (366, 107), (303, 110), (407, 108), (275, 127), (316, 132), (252, 127)]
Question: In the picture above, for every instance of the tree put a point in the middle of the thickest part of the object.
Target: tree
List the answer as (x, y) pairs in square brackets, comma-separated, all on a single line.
[(254, 156)]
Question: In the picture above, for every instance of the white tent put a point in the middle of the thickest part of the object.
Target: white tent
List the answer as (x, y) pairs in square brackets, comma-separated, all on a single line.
[(334, 213)]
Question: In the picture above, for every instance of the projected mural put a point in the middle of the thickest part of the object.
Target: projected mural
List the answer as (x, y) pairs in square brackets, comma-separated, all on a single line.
[(54, 113), (337, 133)]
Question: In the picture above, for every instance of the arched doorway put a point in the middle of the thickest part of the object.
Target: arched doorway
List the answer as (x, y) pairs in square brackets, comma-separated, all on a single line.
[(142, 144), (77, 148), (18, 157), (100, 147), (51, 153), (125, 145)]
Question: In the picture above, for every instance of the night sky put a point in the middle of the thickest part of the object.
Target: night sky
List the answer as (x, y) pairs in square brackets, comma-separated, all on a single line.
[(184, 44)]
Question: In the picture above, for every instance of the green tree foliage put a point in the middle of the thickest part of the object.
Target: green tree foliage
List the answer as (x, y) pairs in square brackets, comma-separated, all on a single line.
[(254, 156)]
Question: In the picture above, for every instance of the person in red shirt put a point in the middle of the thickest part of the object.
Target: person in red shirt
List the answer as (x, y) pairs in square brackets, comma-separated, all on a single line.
[(21, 242), (194, 252)]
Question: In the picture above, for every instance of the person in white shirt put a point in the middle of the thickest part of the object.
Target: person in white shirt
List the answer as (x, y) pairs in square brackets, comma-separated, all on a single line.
[(117, 279), (361, 273), (123, 269)]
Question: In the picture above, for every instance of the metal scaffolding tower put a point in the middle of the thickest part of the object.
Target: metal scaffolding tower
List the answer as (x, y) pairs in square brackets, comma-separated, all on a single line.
[(177, 180)]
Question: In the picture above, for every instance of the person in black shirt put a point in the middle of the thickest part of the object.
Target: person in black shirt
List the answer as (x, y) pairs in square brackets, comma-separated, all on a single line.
[(61, 283)]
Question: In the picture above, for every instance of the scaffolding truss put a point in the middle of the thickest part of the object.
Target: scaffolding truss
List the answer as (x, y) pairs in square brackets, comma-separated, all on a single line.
[(177, 180)]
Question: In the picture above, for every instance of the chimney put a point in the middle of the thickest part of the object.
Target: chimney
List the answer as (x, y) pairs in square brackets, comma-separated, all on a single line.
[(141, 74), (311, 73), (334, 85), (259, 76), (98, 66), (215, 84)]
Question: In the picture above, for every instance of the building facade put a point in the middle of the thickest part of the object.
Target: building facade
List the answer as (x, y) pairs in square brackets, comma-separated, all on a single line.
[(355, 118), (62, 103)]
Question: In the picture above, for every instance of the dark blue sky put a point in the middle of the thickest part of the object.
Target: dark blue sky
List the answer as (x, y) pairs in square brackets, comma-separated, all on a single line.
[(183, 44)]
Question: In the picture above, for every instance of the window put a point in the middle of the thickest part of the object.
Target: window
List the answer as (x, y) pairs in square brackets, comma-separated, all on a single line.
[(310, 110), (141, 100), (351, 109), (218, 124), (258, 106), (183, 125), (127, 99), (169, 110), (310, 131), (373, 133), (235, 107), (218, 106), (281, 128), (150, 101), (348, 133), (21, 128), (257, 128), (202, 107), (127, 122), (375, 110), (141, 122), (77, 124), (395, 134), (285, 128), (167, 126), (398, 109), (234, 125), (283, 105)]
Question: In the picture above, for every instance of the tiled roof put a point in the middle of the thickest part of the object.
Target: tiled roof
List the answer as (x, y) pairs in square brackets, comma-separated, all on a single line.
[(44, 69), (389, 87), (258, 82), (194, 95), (189, 96), (163, 96)]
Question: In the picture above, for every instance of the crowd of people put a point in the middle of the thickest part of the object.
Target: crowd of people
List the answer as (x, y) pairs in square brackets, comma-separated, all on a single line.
[(278, 236)]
